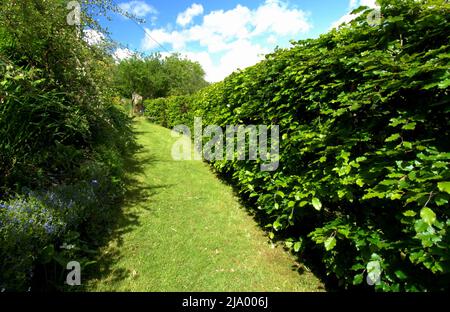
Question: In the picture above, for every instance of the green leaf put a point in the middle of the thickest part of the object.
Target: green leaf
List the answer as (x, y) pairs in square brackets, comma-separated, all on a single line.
[(421, 226), (401, 275), (330, 243), (297, 246), (444, 187), (428, 215), (407, 145), (409, 126), (444, 84), (316, 203), (393, 137), (303, 203), (277, 225), (358, 279), (409, 213), (440, 201)]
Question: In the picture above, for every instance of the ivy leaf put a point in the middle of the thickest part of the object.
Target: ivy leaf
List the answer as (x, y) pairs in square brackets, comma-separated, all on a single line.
[(316, 203), (444, 187), (428, 215), (330, 243)]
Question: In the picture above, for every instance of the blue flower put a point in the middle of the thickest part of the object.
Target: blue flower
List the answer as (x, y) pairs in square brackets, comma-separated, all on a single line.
[(50, 229), (94, 182)]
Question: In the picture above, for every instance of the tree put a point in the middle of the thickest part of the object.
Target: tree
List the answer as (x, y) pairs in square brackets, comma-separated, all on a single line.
[(154, 76)]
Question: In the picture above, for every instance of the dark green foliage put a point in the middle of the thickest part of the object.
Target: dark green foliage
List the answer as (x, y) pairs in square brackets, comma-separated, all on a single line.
[(63, 141), (364, 115)]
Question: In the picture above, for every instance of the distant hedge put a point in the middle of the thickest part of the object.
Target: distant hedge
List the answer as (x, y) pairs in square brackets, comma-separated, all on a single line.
[(364, 116)]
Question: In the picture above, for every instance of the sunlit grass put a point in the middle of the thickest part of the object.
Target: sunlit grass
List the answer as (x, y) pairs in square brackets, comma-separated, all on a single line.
[(191, 234)]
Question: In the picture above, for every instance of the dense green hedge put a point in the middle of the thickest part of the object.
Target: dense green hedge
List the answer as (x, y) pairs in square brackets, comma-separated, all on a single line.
[(173, 110), (364, 116)]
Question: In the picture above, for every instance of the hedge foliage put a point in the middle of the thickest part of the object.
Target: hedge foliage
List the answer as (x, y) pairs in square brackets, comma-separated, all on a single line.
[(63, 143), (364, 115)]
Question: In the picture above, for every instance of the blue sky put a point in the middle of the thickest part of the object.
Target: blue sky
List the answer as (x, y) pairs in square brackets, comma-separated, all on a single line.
[(224, 35)]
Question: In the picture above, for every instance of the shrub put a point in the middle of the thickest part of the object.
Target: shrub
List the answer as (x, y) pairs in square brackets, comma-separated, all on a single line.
[(63, 140)]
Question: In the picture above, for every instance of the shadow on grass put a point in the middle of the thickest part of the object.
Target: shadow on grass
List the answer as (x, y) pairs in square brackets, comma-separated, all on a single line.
[(309, 261), (123, 220)]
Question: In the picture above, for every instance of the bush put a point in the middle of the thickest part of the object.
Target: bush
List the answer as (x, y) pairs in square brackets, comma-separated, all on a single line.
[(364, 177), (34, 224), (63, 141)]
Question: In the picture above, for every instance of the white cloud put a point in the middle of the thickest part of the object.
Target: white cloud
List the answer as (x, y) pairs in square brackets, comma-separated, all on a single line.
[(241, 54), (122, 54), (275, 16), (138, 8), (231, 39), (272, 40), (175, 38), (93, 37), (353, 5), (187, 16), (229, 24)]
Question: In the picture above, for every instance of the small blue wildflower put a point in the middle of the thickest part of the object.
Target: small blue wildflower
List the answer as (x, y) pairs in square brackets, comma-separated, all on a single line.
[(50, 229)]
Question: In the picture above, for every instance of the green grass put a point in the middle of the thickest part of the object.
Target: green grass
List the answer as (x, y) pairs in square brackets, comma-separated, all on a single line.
[(184, 230)]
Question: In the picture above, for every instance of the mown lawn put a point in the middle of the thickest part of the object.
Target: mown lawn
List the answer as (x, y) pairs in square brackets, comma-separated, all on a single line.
[(184, 230)]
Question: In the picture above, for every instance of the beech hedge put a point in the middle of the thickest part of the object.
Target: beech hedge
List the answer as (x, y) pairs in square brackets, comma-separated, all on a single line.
[(364, 114)]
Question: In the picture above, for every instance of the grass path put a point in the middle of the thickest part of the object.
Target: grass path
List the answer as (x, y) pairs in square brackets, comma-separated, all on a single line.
[(184, 230)]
